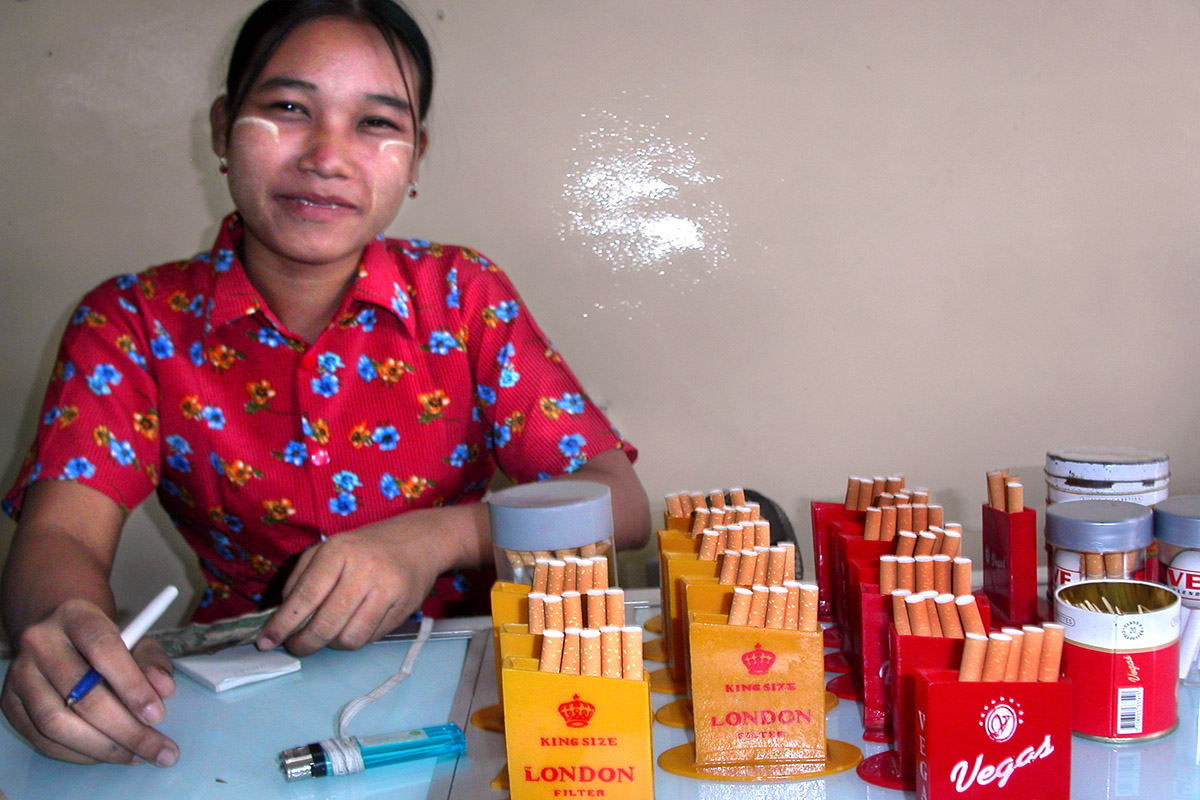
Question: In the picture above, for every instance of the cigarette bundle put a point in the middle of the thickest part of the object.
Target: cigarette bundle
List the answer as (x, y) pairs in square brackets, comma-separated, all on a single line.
[(1031, 653), (524, 560), (609, 652), (928, 613), (718, 507), (555, 575), (878, 492), (1004, 492), (791, 606), (593, 609), (756, 563), (921, 573)]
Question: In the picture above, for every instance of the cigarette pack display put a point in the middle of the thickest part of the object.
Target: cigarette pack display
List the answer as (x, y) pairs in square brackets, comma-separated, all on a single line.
[(1010, 565), (510, 604), (823, 516), (874, 614), (854, 555), (991, 740), (576, 735), (676, 565)]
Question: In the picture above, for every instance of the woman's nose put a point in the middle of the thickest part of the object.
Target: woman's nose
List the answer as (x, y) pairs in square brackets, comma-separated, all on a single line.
[(326, 151)]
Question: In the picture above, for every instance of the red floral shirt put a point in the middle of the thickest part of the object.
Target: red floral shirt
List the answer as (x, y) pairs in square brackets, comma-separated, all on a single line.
[(431, 375)]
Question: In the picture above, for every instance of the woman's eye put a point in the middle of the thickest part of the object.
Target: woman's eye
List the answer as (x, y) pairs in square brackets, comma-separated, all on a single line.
[(380, 122), (287, 107)]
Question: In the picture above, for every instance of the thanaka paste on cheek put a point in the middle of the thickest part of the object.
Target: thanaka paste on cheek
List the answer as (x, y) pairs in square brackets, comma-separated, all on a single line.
[(267, 125)]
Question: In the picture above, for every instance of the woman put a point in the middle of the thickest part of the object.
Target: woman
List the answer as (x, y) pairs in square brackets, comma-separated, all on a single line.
[(305, 378)]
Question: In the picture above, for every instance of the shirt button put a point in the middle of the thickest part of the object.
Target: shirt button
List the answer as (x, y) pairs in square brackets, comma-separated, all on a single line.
[(319, 457)]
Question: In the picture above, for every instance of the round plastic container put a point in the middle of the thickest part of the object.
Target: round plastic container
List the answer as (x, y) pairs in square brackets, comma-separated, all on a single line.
[(1096, 540), (1133, 476), (553, 520), (1177, 530)]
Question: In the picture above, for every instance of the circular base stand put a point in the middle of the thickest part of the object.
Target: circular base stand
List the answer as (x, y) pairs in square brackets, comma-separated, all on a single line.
[(833, 636), (501, 780), (654, 624), (879, 735), (831, 702), (676, 714), (843, 686), (662, 682), (883, 769), (681, 760), (654, 650), (836, 662), (489, 718)]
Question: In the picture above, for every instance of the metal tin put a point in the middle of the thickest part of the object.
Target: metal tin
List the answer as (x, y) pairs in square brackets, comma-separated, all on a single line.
[(1135, 476), (1093, 539)]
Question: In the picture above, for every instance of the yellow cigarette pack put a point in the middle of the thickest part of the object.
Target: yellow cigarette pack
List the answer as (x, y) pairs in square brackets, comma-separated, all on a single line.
[(677, 566), (758, 694), (576, 735), (510, 605)]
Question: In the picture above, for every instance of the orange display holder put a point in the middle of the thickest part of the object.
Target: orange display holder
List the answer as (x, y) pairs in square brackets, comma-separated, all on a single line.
[(1010, 565), (757, 694), (683, 524), (677, 565), (823, 517), (576, 735), (991, 740), (510, 604)]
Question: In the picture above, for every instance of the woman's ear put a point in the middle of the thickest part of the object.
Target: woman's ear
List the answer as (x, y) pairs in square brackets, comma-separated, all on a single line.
[(218, 119)]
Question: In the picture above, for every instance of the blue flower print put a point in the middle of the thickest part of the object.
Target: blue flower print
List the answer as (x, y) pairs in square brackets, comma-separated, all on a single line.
[(325, 385), (224, 260), (389, 486), (508, 310), (221, 545), (128, 306), (343, 505), (346, 481), (366, 368), (501, 435), (161, 345), (103, 378), (196, 354), (79, 468), (571, 445), (197, 305), (386, 436), (575, 463), (509, 377), (122, 452), (68, 370), (506, 354), (206, 598), (399, 301), (127, 281), (178, 444), (544, 476), (441, 343), (179, 462), (452, 284), (136, 357), (486, 394), (233, 523), (214, 461), (329, 362), (366, 318), (295, 453), (80, 315), (214, 416), (269, 336), (571, 402), (51, 415), (459, 456)]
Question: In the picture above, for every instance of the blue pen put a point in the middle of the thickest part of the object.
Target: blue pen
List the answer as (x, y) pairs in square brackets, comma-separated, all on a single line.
[(132, 634)]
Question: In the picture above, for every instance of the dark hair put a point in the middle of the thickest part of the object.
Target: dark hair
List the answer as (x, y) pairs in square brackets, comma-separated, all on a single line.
[(272, 22)]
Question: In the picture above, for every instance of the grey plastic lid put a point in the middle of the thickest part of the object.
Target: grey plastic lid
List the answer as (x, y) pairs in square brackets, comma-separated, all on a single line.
[(552, 515), (1099, 526), (1177, 521)]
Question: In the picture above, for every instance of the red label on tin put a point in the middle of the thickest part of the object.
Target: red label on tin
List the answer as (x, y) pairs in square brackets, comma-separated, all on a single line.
[(1123, 695)]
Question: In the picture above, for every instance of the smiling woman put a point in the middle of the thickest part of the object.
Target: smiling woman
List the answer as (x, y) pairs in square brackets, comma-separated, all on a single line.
[(320, 408)]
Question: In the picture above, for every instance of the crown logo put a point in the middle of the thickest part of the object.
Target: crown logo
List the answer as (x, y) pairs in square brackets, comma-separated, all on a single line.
[(576, 713), (758, 661)]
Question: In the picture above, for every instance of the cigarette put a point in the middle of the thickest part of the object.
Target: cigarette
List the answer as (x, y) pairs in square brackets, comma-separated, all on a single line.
[(809, 598), (920, 496), (791, 613), (1093, 565), (947, 614), (776, 606), (610, 651), (1114, 565), (762, 533), (775, 565), (537, 612), (708, 545), (904, 517), (565, 553), (872, 524), (923, 571), (541, 572), (739, 611), (920, 516), (866, 488), (937, 516), (904, 497), (895, 483), (931, 613), (995, 489), (887, 523), (742, 515), (555, 620), (926, 543), (906, 543), (570, 573), (747, 564), (592, 661), (597, 613), (515, 560), (631, 653), (729, 568), (552, 651), (789, 560), (943, 574), (900, 611), (852, 493), (716, 516), (600, 572), (1031, 653), (996, 660), (762, 561), (878, 487), (583, 575), (698, 500), (1052, 645), (572, 608), (716, 498), (961, 578), (737, 496), (557, 576), (570, 652), (733, 536), (723, 542), (755, 511), (758, 606), (887, 574), (887, 499), (674, 506), (614, 607), (1012, 670), (951, 543), (968, 614), (1014, 497), (906, 573), (918, 615), (973, 657), (699, 521)]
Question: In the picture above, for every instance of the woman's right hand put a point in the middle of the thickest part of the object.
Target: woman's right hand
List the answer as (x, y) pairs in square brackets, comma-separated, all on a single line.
[(112, 723)]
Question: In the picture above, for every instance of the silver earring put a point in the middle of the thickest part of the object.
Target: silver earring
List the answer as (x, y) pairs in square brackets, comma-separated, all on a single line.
[(412, 190)]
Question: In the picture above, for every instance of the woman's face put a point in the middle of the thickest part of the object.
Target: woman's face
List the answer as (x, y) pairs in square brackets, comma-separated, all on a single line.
[(323, 149)]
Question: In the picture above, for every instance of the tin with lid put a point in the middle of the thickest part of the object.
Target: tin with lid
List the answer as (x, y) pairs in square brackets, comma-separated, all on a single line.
[(1106, 473), (1097, 539), (556, 520), (1177, 530)]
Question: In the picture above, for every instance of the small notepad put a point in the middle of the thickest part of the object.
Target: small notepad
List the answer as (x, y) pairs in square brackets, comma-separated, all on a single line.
[(237, 666)]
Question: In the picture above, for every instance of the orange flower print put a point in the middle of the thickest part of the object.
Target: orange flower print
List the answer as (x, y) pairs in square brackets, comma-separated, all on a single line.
[(148, 288), (549, 407), (95, 319), (414, 487), (261, 395), (191, 407), (60, 371), (278, 510), (152, 474), (223, 357), (461, 337), (392, 370), (262, 565), (219, 590), (360, 436), (178, 301), (147, 424), (319, 431), (516, 422), (239, 472), (433, 403), (67, 415), (101, 435), (489, 317), (553, 355)]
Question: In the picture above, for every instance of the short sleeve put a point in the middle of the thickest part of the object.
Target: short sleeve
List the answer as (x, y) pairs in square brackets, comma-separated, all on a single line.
[(539, 421), (99, 420)]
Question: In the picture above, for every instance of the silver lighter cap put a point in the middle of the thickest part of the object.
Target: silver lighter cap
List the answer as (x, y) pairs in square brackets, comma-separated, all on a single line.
[(296, 763)]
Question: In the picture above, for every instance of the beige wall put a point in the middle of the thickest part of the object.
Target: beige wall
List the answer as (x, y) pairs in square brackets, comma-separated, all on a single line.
[(784, 242)]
